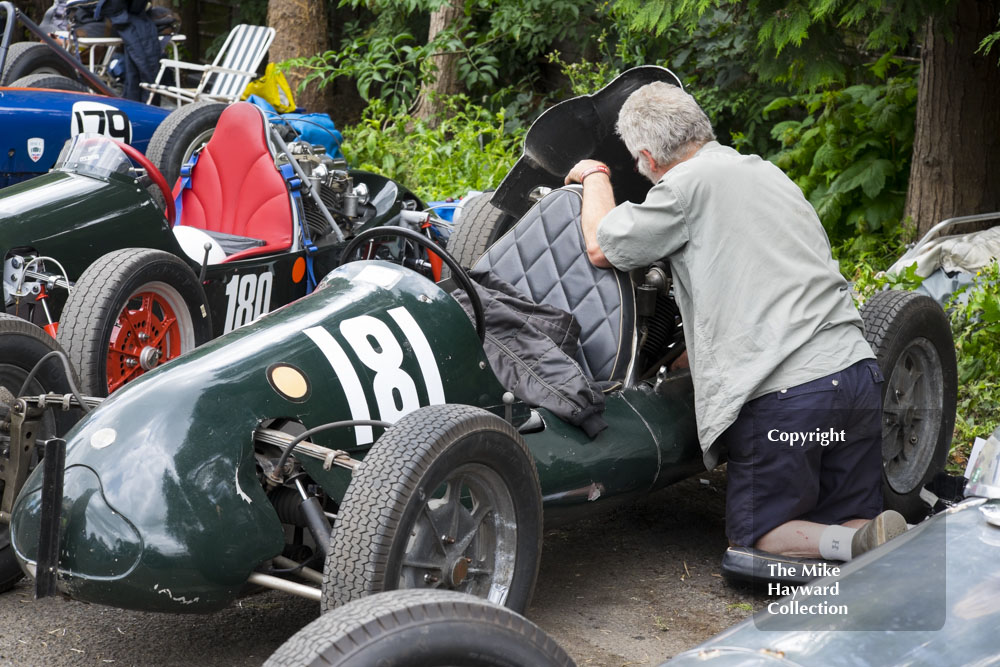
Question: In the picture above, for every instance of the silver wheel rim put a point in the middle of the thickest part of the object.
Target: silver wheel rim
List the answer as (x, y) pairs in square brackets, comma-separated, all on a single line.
[(911, 415), (196, 145), (465, 537)]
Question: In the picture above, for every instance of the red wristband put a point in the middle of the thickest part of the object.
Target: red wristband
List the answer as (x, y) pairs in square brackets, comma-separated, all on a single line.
[(602, 169)]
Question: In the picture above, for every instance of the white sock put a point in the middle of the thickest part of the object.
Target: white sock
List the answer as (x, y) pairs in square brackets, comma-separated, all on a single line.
[(835, 542)]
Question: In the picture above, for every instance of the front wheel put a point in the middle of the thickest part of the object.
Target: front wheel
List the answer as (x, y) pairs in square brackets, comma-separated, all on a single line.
[(22, 345), (912, 340), (429, 628), (129, 312), (447, 498)]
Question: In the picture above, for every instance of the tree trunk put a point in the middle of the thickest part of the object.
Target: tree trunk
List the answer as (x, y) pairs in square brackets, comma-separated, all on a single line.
[(300, 27), (445, 80), (34, 10), (956, 149)]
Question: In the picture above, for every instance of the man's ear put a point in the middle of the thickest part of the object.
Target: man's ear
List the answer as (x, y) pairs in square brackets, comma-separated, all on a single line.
[(650, 162)]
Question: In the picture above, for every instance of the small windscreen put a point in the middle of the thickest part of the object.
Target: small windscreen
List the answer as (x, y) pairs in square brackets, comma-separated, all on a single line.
[(92, 155)]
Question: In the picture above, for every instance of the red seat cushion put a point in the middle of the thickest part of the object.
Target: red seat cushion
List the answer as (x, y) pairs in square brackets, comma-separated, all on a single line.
[(235, 187)]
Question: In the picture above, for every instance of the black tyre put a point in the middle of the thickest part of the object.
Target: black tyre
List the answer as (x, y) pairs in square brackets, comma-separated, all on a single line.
[(180, 134), (479, 226), (420, 628), (24, 58), (130, 311), (448, 497), (22, 345), (50, 81), (912, 340)]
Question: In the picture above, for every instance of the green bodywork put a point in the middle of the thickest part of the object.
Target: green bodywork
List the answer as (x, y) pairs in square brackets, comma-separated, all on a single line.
[(76, 219), (162, 508)]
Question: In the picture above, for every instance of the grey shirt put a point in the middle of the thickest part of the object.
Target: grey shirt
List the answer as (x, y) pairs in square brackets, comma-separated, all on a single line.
[(763, 303)]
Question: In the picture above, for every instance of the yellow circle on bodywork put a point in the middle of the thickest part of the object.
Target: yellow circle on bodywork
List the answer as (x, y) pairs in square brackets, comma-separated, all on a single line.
[(288, 381)]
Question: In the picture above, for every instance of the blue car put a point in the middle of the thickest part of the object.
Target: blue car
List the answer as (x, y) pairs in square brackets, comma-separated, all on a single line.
[(35, 124)]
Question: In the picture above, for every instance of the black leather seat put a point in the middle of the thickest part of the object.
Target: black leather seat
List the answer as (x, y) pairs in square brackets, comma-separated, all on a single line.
[(544, 256)]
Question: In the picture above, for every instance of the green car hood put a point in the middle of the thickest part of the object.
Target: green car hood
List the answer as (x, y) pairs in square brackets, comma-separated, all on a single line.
[(77, 218)]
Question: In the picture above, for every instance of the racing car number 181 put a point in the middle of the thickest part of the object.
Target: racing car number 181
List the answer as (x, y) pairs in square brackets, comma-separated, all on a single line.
[(376, 346)]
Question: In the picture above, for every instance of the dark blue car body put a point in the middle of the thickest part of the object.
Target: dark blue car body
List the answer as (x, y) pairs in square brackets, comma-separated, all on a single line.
[(35, 123)]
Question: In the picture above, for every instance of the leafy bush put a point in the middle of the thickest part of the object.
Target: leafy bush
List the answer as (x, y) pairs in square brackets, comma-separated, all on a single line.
[(467, 150), (493, 42), (975, 323), (850, 154), (389, 66)]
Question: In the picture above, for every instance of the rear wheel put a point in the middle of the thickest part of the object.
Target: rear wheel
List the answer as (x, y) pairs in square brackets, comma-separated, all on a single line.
[(912, 340), (447, 498), (26, 58), (131, 311), (429, 628), (22, 345), (50, 81), (479, 226), (180, 134)]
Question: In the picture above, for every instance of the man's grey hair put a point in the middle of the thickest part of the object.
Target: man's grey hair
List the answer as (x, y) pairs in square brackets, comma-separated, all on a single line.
[(663, 120)]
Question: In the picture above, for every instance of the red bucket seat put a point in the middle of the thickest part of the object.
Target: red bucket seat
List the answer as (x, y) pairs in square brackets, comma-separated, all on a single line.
[(236, 189)]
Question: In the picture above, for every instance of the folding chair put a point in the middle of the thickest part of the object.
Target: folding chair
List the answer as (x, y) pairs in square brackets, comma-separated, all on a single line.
[(224, 80)]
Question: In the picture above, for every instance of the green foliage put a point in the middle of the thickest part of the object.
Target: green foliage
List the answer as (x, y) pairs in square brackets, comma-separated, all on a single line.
[(850, 153), (989, 41), (494, 40), (585, 77), (388, 66), (866, 279), (975, 323), (467, 150), (808, 43)]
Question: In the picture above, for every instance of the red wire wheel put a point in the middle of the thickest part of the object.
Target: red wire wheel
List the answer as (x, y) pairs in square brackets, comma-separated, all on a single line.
[(130, 312), (148, 332)]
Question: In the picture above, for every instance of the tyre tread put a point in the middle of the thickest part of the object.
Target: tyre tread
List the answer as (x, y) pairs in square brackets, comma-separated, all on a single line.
[(340, 633), (166, 145), (476, 231), (21, 51)]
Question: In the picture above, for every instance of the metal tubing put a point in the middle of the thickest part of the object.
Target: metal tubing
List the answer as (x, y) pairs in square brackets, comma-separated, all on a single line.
[(278, 584), (15, 14), (306, 182), (8, 31), (950, 222), (312, 510), (305, 572)]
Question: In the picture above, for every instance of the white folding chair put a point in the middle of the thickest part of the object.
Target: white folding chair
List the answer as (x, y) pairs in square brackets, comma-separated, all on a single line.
[(226, 78)]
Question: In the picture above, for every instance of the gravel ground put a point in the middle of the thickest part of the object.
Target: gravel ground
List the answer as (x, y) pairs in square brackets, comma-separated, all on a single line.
[(628, 588)]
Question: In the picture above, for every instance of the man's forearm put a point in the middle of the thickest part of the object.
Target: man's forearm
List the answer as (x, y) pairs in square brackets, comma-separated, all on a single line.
[(598, 200)]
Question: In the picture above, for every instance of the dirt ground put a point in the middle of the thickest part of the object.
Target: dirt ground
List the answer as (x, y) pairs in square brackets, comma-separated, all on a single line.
[(641, 584), (632, 587)]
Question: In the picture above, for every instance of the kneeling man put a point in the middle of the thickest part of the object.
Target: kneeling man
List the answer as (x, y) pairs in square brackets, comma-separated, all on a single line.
[(786, 386)]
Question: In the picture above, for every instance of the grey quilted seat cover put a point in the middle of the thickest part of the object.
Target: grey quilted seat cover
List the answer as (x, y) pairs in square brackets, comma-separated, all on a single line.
[(544, 256)]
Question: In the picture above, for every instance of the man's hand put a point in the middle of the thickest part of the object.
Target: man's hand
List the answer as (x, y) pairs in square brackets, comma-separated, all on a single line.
[(575, 174), (680, 362)]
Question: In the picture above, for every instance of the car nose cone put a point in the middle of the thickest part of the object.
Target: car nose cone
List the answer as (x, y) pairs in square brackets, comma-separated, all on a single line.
[(96, 542)]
